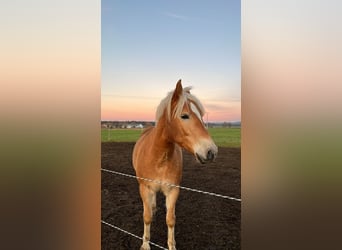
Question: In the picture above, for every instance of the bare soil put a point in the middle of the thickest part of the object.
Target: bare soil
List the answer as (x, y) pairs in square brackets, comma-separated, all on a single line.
[(203, 221)]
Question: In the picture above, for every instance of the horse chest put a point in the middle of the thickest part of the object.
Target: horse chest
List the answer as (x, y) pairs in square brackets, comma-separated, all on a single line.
[(164, 172)]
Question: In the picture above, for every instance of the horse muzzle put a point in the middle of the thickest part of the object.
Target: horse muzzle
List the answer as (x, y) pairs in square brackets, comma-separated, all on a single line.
[(209, 156)]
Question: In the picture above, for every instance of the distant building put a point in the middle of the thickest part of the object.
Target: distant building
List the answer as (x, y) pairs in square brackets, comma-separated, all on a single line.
[(126, 124)]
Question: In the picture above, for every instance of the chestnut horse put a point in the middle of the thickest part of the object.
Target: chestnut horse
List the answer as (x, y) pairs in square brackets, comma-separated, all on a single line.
[(157, 155)]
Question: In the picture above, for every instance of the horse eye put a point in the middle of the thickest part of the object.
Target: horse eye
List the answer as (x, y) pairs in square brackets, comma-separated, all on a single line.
[(185, 116)]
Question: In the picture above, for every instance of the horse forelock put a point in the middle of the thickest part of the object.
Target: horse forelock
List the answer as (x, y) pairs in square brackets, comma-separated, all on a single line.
[(186, 97)]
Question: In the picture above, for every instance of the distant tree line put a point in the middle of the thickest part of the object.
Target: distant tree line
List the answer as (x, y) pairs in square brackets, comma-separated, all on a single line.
[(145, 124)]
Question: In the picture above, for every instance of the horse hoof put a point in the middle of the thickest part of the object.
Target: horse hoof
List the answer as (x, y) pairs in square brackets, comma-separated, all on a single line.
[(145, 246), (172, 247)]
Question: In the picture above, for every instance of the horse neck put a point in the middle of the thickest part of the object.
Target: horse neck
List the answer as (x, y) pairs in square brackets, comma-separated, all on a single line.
[(161, 138)]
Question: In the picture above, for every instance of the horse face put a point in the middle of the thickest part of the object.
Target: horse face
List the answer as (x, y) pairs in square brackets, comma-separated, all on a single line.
[(189, 132)]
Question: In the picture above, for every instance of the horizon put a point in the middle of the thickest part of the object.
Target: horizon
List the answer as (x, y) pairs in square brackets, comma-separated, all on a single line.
[(237, 121)]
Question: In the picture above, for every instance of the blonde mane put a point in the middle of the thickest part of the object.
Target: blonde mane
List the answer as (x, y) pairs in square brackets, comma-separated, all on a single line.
[(165, 105)]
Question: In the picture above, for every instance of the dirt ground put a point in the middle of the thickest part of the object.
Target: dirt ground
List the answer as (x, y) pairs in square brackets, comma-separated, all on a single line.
[(203, 221)]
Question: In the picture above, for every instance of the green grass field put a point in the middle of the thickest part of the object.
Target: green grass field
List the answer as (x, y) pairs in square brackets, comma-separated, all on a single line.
[(223, 137)]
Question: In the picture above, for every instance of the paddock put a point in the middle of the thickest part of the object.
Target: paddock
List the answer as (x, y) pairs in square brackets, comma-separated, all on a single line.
[(220, 217)]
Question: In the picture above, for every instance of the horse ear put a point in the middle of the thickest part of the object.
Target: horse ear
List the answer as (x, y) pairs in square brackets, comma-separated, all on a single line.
[(176, 95), (178, 91), (179, 82)]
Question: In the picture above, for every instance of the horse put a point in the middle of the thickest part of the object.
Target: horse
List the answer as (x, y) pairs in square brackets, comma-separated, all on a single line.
[(157, 154)]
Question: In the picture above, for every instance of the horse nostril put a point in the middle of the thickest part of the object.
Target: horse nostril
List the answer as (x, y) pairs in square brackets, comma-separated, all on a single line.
[(210, 155)]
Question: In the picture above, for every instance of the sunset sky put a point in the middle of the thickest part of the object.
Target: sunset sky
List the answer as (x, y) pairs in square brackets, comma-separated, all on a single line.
[(148, 45)]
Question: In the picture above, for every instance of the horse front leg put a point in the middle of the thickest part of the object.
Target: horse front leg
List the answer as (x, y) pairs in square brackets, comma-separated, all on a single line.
[(171, 198), (148, 197)]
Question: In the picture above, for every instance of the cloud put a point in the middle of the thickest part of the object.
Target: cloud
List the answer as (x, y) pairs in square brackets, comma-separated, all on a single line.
[(176, 16), (221, 107)]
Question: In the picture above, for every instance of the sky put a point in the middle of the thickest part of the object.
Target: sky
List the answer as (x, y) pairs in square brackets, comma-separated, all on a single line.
[(147, 46)]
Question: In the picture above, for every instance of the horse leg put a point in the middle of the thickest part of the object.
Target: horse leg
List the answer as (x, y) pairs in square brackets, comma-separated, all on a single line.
[(171, 198), (148, 197)]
